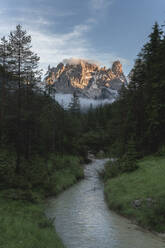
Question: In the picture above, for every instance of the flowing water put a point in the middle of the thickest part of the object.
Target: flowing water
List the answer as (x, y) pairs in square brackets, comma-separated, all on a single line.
[(83, 220)]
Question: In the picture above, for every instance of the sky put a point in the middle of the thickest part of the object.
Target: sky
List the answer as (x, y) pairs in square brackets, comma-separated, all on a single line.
[(98, 30)]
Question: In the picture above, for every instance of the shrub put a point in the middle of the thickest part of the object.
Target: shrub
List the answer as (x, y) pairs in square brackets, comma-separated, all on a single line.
[(7, 168), (161, 151), (127, 163), (112, 169)]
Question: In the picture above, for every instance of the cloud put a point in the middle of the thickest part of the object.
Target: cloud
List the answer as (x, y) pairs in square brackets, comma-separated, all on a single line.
[(32, 18), (55, 47), (76, 61), (47, 12), (70, 48), (100, 4), (35, 22)]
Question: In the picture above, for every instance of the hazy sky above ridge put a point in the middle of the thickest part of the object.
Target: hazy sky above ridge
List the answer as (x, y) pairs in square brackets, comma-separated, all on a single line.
[(99, 30)]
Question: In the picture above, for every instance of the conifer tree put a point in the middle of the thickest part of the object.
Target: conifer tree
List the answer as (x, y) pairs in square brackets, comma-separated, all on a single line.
[(23, 66), (74, 105), (151, 55), (4, 62)]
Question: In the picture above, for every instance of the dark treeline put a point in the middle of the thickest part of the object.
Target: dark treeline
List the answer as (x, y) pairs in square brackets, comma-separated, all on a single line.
[(31, 122), (137, 119), (34, 126)]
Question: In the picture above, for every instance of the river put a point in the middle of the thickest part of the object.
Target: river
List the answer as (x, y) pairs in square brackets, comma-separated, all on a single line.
[(83, 220)]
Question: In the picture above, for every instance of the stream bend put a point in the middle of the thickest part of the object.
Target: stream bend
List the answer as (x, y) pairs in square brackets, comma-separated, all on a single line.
[(83, 220)]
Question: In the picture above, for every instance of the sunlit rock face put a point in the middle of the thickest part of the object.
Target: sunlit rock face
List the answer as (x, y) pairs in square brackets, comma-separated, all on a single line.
[(117, 68), (87, 79)]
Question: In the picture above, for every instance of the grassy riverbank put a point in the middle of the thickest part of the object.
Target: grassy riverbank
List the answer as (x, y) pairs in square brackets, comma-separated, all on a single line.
[(23, 225), (140, 195), (22, 220)]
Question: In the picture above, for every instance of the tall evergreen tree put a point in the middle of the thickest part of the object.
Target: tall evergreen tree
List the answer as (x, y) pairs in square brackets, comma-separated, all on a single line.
[(151, 55), (23, 66), (4, 62), (74, 106)]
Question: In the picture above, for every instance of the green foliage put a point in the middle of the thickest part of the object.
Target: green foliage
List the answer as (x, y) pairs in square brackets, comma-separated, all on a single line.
[(139, 112), (112, 169), (34, 171), (62, 173), (129, 159), (146, 185), (32, 123), (115, 150), (118, 167), (161, 151), (127, 163), (93, 140), (26, 194), (40, 126), (46, 176), (74, 106), (7, 168), (24, 225)]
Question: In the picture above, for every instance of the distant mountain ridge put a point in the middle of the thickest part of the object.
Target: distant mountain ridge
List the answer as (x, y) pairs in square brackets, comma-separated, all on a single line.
[(87, 79)]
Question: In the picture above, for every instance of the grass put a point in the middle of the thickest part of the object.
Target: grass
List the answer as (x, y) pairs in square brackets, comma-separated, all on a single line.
[(64, 179), (23, 225), (68, 172), (22, 220), (147, 185)]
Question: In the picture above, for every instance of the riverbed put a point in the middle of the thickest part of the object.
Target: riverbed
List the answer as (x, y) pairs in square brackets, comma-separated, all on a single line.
[(83, 220)]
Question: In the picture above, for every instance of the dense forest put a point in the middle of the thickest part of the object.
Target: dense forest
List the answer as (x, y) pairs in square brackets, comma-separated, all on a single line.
[(35, 128), (37, 136), (137, 119)]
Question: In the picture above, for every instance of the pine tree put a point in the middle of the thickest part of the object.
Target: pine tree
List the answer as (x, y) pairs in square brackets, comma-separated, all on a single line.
[(151, 54), (24, 62), (49, 85), (74, 106), (140, 109), (4, 62), (23, 66)]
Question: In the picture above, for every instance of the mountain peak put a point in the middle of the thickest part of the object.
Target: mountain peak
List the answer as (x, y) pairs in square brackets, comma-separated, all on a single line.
[(86, 77), (117, 68)]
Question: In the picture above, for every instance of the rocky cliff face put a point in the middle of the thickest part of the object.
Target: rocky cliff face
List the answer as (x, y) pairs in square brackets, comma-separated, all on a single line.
[(87, 79)]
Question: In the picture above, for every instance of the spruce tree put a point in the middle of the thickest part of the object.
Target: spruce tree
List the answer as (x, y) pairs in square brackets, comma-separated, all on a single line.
[(23, 66), (151, 54), (4, 62), (74, 106)]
